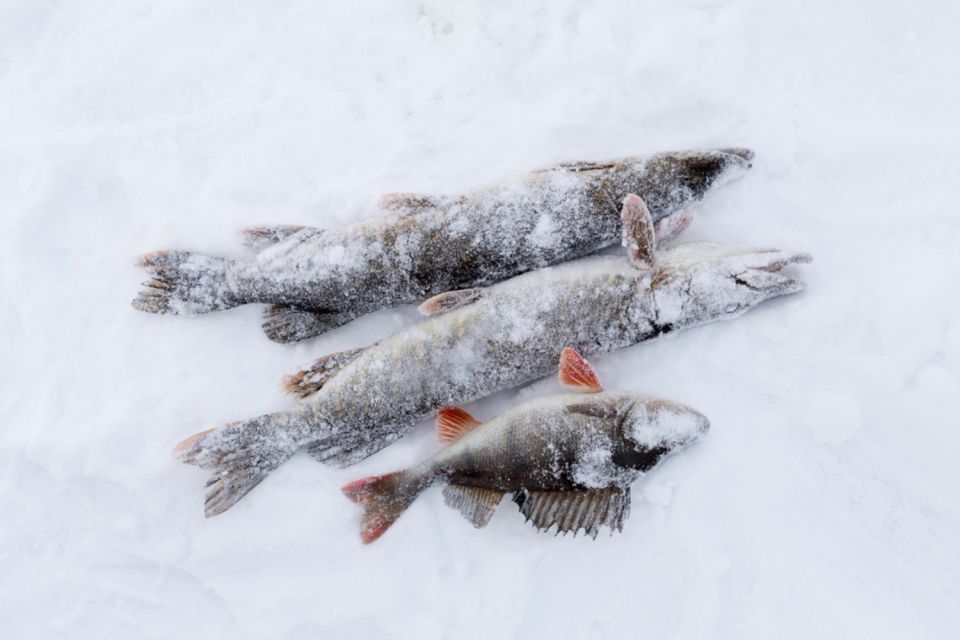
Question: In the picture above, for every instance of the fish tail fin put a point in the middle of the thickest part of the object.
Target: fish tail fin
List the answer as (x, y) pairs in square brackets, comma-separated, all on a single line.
[(240, 454), (384, 498), (284, 323), (182, 282)]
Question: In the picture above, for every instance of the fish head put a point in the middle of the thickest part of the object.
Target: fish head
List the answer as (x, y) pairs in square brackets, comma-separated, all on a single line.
[(702, 282), (671, 181), (653, 428)]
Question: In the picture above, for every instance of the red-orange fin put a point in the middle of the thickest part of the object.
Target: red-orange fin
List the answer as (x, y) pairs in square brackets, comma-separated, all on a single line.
[(383, 499), (453, 423), (576, 372)]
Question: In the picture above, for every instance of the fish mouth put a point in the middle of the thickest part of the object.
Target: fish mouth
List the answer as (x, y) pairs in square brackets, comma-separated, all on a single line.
[(761, 271), (699, 171)]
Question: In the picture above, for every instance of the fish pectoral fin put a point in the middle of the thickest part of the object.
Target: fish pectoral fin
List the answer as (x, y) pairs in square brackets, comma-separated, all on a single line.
[(450, 300), (264, 236), (310, 380), (407, 203), (585, 509), (453, 423), (476, 504), (637, 233), (576, 373)]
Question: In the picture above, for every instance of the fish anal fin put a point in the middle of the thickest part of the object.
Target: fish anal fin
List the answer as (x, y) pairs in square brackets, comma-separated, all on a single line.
[(449, 300), (285, 323), (312, 379), (406, 203), (476, 504), (573, 511), (637, 233), (576, 373), (453, 423)]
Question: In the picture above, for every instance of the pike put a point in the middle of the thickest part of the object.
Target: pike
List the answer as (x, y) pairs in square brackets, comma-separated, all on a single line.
[(481, 341), (316, 280), (568, 460)]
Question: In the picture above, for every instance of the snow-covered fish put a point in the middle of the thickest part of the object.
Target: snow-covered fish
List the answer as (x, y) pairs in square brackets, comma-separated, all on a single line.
[(318, 279), (566, 460), (488, 340)]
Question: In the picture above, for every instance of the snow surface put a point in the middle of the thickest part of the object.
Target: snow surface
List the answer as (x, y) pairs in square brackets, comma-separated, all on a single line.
[(824, 501)]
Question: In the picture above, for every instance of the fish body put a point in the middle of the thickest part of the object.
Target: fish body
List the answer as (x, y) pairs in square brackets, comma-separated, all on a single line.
[(318, 279), (567, 460), (511, 334)]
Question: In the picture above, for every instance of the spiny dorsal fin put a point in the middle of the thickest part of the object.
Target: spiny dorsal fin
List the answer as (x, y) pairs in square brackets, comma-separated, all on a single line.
[(449, 300), (638, 236), (474, 503), (309, 381), (406, 203), (576, 373), (453, 423), (586, 509)]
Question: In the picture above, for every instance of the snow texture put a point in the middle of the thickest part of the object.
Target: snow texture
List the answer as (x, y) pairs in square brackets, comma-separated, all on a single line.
[(825, 500)]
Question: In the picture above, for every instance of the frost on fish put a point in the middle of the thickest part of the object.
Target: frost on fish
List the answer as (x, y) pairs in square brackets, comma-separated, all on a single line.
[(431, 244), (513, 334), (568, 461)]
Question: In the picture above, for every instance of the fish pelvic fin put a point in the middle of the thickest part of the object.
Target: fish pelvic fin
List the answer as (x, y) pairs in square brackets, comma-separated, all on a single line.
[(310, 380), (241, 455), (384, 498), (184, 283), (283, 323)]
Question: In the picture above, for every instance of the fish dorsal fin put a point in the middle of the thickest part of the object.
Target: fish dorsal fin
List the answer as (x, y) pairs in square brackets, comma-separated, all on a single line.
[(578, 166), (453, 423), (266, 236), (449, 300), (576, 373), (310, 380), (476, 504), (638, 236), (571, 511), (407, 203)]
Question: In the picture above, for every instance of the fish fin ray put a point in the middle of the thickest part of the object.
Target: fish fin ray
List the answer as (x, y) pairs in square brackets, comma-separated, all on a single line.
[(408, 203), (262, 237), (574, 511), (576, 373), (450, 300), (637, 232), (284, 323), (184, 283), (384, 498), (310, 380), (453, 423), (476, 504)]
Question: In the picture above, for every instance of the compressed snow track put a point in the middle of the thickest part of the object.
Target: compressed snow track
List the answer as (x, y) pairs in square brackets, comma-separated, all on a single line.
[(824, 502)]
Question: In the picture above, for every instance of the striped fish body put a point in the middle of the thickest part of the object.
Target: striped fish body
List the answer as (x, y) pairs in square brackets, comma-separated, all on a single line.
[(571, 442)]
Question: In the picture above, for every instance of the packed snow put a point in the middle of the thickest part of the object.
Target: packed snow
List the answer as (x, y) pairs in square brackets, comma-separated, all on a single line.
[(823, 502)]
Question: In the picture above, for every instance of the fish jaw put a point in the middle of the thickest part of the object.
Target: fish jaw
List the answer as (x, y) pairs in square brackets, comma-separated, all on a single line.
[(693, 173), (701, 282)]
